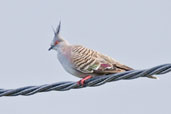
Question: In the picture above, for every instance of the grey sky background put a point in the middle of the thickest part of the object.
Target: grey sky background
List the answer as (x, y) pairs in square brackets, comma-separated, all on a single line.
[(135, 32)]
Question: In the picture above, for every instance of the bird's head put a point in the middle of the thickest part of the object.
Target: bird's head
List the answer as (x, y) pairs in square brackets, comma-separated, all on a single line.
[(57, 39)]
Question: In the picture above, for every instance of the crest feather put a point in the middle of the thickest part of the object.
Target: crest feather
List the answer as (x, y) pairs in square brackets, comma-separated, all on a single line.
[(58, 29)]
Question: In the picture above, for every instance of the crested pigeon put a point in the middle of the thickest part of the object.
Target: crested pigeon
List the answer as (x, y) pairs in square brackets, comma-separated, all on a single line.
[(83, 62)]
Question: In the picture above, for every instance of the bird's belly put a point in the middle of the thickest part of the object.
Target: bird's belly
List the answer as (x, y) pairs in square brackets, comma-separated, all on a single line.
[(67, 65)]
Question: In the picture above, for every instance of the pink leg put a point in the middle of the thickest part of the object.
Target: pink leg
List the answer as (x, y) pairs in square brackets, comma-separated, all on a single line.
[(82, 81)]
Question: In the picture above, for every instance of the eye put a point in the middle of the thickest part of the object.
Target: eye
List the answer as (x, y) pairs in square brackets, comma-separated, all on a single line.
[(56, 42)]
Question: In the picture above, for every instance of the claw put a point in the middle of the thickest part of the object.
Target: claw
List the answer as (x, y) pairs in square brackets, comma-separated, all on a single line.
[(82, 81)]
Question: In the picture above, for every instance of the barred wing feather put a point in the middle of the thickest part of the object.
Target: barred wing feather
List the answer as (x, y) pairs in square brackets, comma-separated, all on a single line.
[(89, 61)]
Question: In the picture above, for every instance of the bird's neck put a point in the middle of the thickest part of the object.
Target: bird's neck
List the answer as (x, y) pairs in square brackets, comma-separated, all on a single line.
[(63, 46)]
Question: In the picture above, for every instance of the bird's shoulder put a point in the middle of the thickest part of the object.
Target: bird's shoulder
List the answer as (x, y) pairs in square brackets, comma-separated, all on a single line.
[(87, 60), (81, 51), (84, 52)]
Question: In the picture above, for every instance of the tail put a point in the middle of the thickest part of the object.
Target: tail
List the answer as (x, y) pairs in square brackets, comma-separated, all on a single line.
[(152, 77), (123, 67), (126, 68)]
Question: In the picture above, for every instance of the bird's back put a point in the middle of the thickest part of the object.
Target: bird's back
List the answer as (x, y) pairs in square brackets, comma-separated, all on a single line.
[(89, 61)]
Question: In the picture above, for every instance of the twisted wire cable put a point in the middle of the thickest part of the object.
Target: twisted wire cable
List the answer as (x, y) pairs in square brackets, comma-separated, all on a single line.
[(92, 82)]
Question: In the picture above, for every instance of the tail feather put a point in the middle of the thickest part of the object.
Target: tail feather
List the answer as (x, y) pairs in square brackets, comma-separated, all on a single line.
[(123, 67), (126, 68), (153, 77)]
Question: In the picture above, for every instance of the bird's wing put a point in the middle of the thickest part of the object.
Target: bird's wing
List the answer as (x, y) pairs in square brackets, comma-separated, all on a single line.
[(89, 61)]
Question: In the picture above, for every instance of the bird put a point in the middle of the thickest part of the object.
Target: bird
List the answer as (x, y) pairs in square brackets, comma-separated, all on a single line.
[(83, 62)]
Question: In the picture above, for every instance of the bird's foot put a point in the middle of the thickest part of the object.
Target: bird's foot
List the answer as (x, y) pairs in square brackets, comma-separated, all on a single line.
[(82, 81)]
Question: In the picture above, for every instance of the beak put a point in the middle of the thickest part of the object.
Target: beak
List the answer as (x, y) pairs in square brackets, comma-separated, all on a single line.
[(52, 46)]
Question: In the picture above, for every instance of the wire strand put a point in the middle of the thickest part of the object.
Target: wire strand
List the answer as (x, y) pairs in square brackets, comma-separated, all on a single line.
[(92, 82)]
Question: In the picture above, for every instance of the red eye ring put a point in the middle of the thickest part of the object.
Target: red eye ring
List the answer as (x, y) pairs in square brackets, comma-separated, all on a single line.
[(56, 42)]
